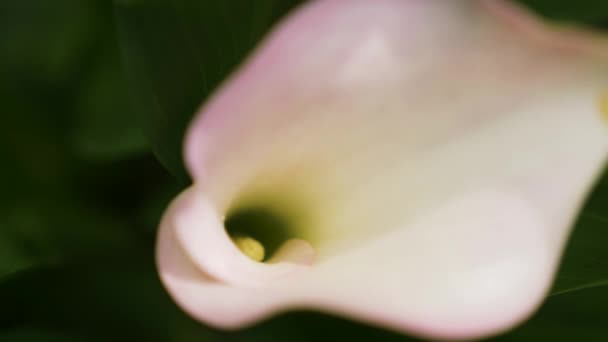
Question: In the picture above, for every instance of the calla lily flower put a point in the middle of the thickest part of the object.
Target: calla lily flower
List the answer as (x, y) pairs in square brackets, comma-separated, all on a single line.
[(428, 159)]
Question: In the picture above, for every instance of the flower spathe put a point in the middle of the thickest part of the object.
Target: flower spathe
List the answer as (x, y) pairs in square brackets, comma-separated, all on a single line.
[(430, 157)]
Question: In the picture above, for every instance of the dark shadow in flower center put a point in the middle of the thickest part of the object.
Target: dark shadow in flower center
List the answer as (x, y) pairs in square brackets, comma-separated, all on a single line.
[(262, 224)]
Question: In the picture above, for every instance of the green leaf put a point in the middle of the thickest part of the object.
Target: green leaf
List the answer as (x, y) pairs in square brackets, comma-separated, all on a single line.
[(36, 38), (27, 335), (582, 11), (177, 53), (105, 125), (577, 316), (116, 297), (585, 261), (39, 231)]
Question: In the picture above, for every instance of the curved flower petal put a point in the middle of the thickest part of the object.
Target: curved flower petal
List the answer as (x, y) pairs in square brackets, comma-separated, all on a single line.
[(430, 156)]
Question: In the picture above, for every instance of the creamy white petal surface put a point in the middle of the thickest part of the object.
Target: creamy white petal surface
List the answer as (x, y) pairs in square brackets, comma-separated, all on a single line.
[(431, 156)]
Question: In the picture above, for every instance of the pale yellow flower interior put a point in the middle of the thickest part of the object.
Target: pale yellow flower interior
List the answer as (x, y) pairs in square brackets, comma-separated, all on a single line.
[(604, 105)]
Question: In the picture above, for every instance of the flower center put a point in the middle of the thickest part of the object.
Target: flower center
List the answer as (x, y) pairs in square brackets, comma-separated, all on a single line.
[(250, 247), (258, 231)]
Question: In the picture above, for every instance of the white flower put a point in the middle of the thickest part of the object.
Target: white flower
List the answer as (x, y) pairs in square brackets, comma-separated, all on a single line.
[(428, 158)]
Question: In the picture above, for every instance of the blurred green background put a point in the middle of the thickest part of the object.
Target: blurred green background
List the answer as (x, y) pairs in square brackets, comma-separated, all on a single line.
[(95, 96)]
